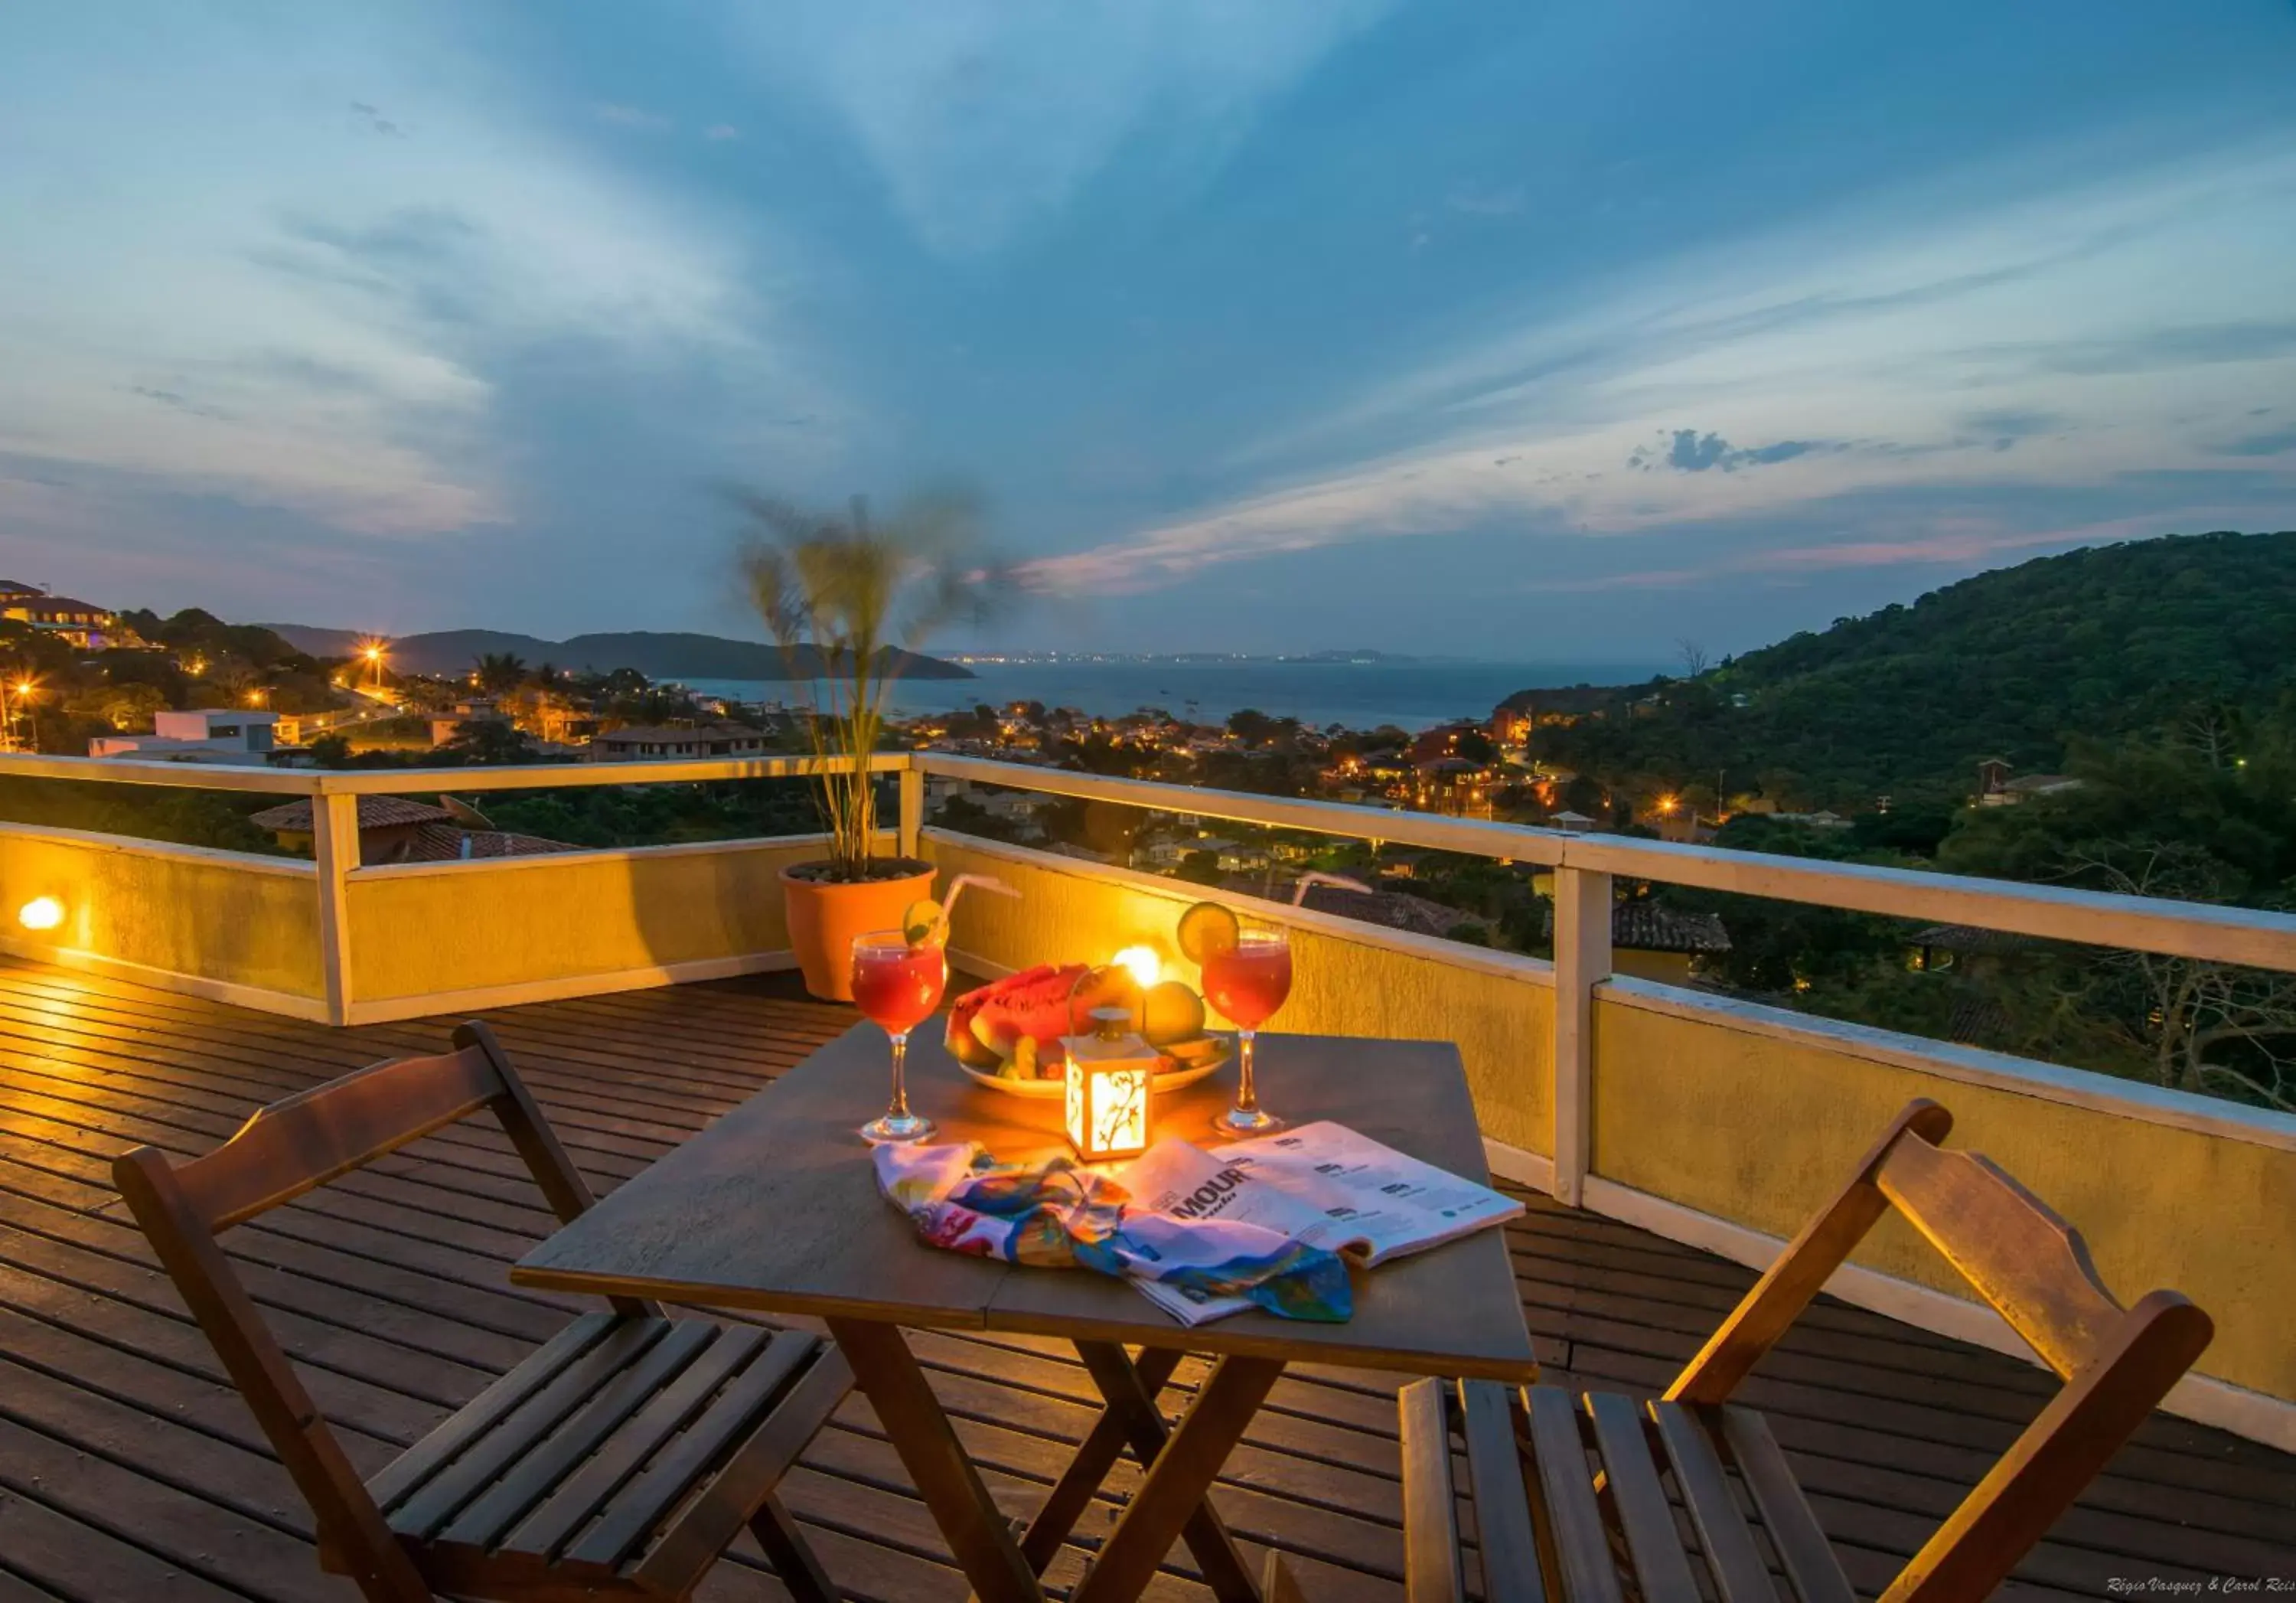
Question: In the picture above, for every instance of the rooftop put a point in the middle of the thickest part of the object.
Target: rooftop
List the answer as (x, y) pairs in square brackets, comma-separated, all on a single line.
[(374, 812), (129, 1470), (678, 734)]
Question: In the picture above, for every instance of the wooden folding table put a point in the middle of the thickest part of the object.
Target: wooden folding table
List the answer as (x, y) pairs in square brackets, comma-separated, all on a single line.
[(774, 1208)]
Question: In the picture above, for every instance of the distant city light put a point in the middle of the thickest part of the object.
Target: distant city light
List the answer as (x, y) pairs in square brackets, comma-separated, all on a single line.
[(41, 913)]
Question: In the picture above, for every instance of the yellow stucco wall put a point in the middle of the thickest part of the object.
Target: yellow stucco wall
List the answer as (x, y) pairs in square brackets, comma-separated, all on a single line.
[(220, 916), (535, 920), (1760, 1131), (1342, 984)]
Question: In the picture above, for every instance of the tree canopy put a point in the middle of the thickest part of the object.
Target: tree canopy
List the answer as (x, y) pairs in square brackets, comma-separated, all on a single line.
[(2015, 664)]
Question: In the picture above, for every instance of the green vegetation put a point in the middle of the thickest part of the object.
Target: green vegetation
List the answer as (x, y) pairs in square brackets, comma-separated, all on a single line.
[(2113, 642)]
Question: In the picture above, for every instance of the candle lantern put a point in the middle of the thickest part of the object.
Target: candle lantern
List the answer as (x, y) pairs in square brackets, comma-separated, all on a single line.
[(1111, 1078)]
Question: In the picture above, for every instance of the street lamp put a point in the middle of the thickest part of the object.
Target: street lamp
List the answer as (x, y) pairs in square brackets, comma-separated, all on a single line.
[(372, 653), (22, 688)]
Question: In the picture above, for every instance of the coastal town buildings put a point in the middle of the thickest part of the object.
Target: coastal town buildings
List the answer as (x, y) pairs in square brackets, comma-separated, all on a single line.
[(241, 736)]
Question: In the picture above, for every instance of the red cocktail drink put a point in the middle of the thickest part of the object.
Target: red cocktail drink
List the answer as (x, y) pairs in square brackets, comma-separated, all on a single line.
[(897, 983), (1248, 981), (898, 987)]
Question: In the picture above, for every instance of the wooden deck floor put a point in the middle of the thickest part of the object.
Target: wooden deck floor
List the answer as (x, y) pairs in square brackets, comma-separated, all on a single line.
[(129, 1471)]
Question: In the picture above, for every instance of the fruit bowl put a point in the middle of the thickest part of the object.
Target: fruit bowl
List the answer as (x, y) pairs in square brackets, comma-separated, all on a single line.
[(1006, 1035), (1203, 1055)]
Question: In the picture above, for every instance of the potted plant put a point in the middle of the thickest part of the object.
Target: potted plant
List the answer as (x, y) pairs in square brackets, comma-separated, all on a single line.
[(847, 597)]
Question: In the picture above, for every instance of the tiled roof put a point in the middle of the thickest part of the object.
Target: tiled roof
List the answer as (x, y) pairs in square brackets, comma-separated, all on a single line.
[(445, 843), (374, 812), (1968, 938), (1650, 927), (1643, 925), (1979, 1021), (1392, 909), (663, 734)]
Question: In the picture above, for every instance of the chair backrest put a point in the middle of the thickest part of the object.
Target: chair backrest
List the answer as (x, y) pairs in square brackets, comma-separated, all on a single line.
[(2033, 1270), (286, 1149)]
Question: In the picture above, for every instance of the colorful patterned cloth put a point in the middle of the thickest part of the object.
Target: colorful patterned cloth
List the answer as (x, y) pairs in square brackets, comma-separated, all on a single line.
[(1057, 1215)]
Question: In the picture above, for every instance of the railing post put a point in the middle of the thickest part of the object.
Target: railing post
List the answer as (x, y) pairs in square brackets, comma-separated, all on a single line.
[(1582, 961), (913, 808), (335, 846)]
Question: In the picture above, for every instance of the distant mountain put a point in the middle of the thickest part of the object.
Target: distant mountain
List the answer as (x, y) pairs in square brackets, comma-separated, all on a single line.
[(2105, 643), (658, 656)]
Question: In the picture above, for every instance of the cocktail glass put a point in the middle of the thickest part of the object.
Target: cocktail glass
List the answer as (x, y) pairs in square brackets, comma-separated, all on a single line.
[(896, 983), (1246, 983)]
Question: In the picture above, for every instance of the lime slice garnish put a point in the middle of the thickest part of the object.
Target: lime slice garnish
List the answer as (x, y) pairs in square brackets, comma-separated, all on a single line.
[(921, 922), (1207, 930)]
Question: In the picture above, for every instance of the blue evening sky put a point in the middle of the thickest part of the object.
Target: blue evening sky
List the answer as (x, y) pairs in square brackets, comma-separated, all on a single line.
[(1503, 327)]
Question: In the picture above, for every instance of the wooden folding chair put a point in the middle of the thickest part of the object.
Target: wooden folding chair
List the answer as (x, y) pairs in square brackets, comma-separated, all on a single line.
[(620, 1459), (1570, 1496)]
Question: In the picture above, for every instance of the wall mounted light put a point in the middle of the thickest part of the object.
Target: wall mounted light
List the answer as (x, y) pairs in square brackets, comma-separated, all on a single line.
[(41, 913)]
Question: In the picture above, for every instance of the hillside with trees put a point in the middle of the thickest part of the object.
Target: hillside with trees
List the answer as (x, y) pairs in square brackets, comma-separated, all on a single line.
[(2195, 630)]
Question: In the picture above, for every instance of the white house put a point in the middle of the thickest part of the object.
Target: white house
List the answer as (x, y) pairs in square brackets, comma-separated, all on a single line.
[(209, 734)]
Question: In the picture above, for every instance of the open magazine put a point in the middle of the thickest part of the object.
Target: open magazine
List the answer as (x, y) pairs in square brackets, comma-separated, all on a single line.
[(1322, 1184)]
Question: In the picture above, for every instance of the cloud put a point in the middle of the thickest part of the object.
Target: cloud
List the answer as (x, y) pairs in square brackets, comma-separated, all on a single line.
[(2015, 422), (375, 337), (2153, 350), (2273, 443), (371, 115), (1951, 549), (173, 399), (984, 117), (1691, 453), (718, 133)]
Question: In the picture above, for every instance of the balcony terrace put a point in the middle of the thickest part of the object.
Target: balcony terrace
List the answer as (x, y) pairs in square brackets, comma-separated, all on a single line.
[(1664, 1139)]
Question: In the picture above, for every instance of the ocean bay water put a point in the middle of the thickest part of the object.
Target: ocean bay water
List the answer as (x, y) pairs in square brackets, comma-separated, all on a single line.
[(1360, 695)]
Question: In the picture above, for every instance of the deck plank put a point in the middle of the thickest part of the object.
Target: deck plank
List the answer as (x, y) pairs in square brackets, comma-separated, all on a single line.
[(128, 1468)]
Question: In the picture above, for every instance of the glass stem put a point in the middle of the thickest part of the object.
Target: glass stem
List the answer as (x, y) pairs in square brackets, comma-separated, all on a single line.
[(900, 1105), (1247, 1095)]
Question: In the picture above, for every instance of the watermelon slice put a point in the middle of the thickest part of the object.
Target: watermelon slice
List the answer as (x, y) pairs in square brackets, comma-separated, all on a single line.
[(984, 1024)]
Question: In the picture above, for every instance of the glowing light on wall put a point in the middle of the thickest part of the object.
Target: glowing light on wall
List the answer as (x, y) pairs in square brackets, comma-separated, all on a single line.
[(41, 913), (1142, 963)]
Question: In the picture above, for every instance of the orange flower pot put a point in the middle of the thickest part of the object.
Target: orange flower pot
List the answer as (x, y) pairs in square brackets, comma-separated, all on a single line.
[(824, 915)]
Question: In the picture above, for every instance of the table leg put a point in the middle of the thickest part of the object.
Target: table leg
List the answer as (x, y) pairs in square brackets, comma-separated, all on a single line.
[(1133, 1401), (1177, 1480), (977, 1536), (1071, 1495)]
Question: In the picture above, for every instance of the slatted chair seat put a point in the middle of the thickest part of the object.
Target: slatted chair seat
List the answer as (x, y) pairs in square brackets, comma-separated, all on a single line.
[(621, 1458), (1741, 1532), (1687, 1498), (580, 1465)]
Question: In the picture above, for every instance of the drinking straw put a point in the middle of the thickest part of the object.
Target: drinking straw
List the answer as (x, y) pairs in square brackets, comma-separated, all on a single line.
[(986, 881), (1316, 876)]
